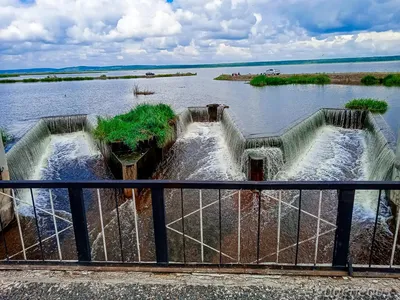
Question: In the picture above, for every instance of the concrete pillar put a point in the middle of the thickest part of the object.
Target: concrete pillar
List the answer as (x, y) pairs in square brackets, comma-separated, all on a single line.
[(6, 203), (256, 168), (213, 112)]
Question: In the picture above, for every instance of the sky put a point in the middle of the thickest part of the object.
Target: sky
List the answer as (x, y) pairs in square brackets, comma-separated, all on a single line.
[(60, 33)]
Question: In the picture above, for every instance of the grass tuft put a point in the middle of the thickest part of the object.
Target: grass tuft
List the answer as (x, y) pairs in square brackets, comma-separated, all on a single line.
[(137, 91), (373, 105), (5, 137), (391, 80), (263, 80), (142, 124), (369, 80)]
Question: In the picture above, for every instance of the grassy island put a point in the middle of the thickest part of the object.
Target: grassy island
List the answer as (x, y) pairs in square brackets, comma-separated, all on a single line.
[(373, 105), (54, 78), (142, 124), (355, 78), (263, 80)]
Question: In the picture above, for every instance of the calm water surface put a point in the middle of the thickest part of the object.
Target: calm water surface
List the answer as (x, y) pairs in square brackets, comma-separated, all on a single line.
[(266, 110)]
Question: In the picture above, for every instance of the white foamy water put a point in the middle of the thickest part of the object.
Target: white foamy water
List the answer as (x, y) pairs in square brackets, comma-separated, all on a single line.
[(67, 157), (334, 154), (202, 154)]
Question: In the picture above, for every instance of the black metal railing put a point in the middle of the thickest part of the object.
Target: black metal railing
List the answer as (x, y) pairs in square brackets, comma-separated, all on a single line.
[(157, 237)]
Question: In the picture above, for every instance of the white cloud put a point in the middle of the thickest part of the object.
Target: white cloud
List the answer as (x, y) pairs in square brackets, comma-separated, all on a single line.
[(60, 33)]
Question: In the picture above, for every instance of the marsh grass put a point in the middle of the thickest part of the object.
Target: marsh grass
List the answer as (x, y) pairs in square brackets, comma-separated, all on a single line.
[(373, 105), (263, 80), (370, 80), (142, 124), (137, 91)]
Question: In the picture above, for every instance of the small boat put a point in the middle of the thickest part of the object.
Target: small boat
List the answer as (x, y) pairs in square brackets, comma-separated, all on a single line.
[(150, 74)]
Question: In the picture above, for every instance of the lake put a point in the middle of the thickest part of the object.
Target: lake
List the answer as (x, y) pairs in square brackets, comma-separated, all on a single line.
[(267, 110)]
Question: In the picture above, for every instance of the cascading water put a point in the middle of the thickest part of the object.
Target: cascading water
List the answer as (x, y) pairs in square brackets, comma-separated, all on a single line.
[(23, 156)]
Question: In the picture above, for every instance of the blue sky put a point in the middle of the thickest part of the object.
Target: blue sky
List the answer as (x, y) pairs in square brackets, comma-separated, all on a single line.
[(49, 33)]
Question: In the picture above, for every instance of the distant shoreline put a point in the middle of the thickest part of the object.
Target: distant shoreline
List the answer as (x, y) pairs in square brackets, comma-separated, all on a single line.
[(350, 78), (81, 78), (82, 69)]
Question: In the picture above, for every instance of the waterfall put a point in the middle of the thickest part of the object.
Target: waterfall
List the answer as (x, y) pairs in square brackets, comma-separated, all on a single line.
[(25, 154), (345, 118), (296, 139), (381, 157), (66, 124), (233, 137), (199, 114), (272, 161), (183, 121)]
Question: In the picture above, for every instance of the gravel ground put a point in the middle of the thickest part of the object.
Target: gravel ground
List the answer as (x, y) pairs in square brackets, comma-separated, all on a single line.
[(123, 285)]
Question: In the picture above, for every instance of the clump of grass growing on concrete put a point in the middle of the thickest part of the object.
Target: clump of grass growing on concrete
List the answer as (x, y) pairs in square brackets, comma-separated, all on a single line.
[(137, 91), (373, 105), (144, 123), (391, 80), (369, 80), (263, 80), (5, 137)]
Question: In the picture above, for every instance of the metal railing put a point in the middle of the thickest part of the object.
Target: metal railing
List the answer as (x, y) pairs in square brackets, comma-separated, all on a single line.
[(299, 213)]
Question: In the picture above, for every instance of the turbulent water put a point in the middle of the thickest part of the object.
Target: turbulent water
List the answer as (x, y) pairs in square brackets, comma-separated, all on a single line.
[(202, 154)]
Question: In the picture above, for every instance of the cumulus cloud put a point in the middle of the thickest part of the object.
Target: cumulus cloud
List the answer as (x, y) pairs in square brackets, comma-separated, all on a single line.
[(99, 32)]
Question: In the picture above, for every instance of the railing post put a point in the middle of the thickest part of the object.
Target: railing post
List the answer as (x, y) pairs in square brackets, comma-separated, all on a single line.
[(343, 230), (160, 230), (80, 224)]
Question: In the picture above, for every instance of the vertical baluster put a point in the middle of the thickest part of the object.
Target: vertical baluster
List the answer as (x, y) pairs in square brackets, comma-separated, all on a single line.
[(375, 225), (183, 229), (220, 227), (160, 229), (119, 225), (259, 227), (19, 223), (318, 228), (4, 239), (396, 233), (55, 225), (201, 226), (102, 225), (136, 225), (279, 227), (298, 230), (37, 225), (239, 221)]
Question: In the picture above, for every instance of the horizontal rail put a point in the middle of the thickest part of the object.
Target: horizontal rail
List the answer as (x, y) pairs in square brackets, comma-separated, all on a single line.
[(234, 185)]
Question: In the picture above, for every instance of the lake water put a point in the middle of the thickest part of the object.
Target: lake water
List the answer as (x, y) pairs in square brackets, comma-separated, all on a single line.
[(267, 110)]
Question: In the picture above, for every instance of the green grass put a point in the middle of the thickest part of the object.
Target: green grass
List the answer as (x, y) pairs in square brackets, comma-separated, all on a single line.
[(5, 137), (142, 124), (263, 80), (83, 78), (8, 75), (223, 77), (373, 105), (391, 80), (369, 80)]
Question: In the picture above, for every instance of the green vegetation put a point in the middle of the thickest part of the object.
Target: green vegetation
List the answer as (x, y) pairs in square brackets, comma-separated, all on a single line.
[(373, 105), (263, 80), (369, 80), (81, 78), (391, 80), (223, 77), (144, 123), (8, 75), (5, 137), (137, 91)]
